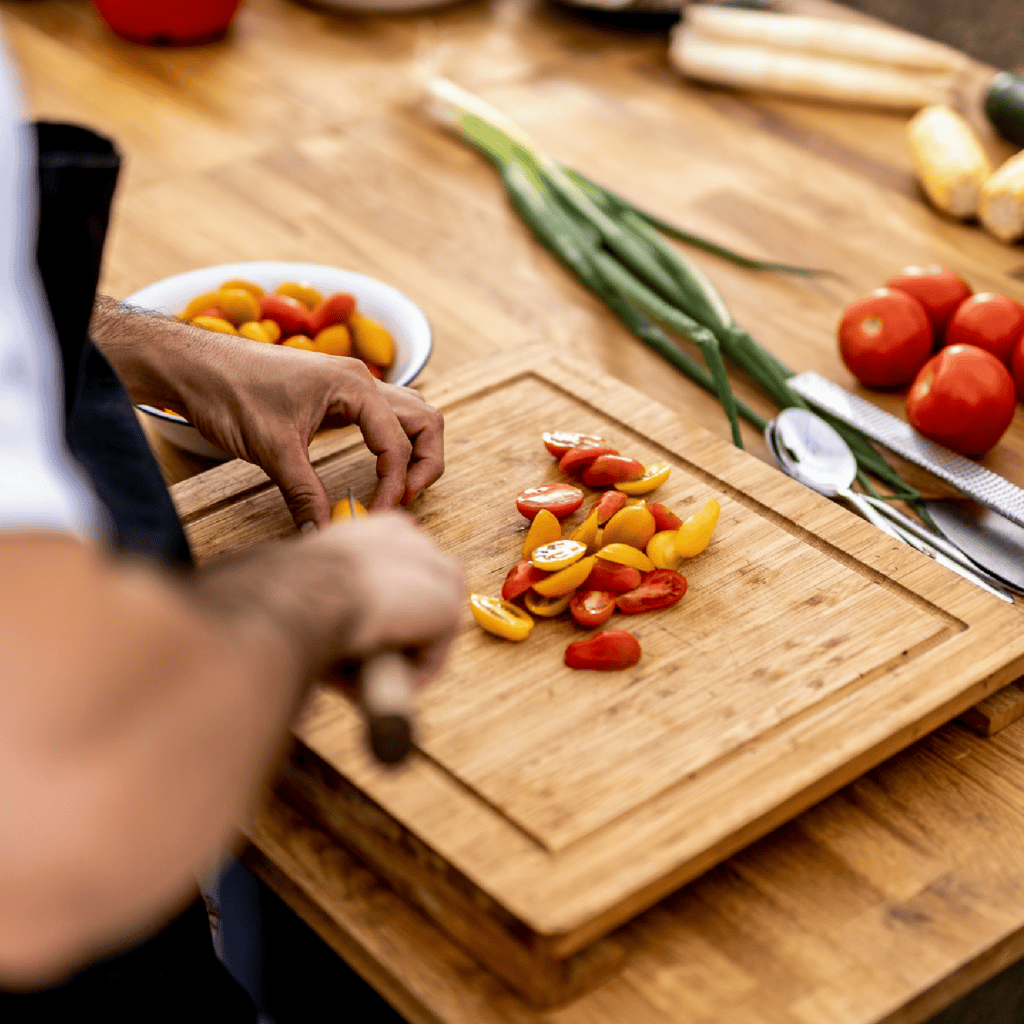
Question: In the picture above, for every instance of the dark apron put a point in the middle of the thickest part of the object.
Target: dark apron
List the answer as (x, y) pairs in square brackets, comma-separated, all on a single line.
[(175, 975)]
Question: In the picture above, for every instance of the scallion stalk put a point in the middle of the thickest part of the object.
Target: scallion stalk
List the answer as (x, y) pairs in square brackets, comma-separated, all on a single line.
[(620, 253)]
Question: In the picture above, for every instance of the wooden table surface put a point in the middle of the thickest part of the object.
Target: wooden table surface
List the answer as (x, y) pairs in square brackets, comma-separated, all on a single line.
[(299, 138)]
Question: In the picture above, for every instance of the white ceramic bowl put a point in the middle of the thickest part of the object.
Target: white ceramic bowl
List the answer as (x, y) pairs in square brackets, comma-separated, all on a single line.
[(388, 306)]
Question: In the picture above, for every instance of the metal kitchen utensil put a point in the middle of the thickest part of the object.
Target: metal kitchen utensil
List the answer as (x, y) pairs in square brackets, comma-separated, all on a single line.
[(809, 450), (994, 541), (986, 537), (984, 486)]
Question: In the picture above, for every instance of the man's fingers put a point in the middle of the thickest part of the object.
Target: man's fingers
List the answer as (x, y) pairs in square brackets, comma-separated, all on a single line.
[(386, 438), (303, 491), (425, 426)]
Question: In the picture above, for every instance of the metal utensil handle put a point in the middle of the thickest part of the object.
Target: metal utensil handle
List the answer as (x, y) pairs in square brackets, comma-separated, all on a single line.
[(935, 540), (925, 546), (984, 486)]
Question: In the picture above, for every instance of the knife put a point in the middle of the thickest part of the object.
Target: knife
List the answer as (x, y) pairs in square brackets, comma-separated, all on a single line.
[(387, 697)]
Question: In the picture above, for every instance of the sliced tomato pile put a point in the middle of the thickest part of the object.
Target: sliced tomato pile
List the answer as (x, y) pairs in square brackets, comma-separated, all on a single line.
[(620, 557)]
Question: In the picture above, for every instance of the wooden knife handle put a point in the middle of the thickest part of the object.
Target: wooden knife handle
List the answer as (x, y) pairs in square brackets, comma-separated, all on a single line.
[(387, 696)]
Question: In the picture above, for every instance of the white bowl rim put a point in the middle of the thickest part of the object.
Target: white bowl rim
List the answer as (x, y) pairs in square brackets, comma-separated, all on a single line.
[(285, 269)]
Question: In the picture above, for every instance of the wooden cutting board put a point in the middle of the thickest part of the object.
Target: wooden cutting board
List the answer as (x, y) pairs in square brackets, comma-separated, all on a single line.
[(543, 806)]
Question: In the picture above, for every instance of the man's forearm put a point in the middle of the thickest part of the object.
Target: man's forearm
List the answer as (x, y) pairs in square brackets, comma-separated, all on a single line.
[(138, 720), (151, 353)]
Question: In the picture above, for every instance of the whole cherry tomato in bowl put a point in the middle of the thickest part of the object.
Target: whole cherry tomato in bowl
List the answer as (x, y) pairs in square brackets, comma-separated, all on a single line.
[(938, 289), (963, 398), (991, 321), (885, 338)]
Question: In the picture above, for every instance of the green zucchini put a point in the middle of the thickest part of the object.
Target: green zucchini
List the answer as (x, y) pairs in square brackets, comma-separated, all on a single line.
[(1004, 106)]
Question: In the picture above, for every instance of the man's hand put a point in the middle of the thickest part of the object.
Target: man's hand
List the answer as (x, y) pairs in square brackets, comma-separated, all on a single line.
[(264, 403), (348, 592)]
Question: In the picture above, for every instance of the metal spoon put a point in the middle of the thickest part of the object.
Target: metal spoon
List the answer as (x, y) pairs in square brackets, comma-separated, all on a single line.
[(810, 451)]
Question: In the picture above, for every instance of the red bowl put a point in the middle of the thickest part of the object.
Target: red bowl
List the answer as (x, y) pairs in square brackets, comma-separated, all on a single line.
[(168, 22)]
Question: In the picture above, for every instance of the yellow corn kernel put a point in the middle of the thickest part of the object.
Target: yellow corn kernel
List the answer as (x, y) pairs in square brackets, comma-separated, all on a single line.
[(949, 159), (1001, 209)]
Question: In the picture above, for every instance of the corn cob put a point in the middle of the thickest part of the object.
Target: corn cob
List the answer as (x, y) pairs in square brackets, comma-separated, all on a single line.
[(1002, 200), (949, 159)]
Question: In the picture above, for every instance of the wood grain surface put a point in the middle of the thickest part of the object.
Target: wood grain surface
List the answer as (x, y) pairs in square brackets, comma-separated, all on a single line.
[(549, 806), (299, 138)]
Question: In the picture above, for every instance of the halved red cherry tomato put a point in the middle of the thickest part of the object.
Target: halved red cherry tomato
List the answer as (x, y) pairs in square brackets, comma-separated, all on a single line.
[(660, 589), (559, 499), (288, 313), (591, 608), (558, 442), (608, 505), (520, 578), (575, 460), (664, 519), (335, 309), (610, 650), (606, 470), (612, 576)]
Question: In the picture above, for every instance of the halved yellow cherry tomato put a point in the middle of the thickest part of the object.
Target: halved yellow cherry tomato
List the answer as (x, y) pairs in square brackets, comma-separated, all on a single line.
[(302, 292), (547, 607), (625, 554), (340, 510), (214, 323), (661, 550), (502, 618), (633, 525), (545, 529), (695, 533), (654, 475), (557, 555), (250, 286), (565, 581), (273, 329), (586, 532)]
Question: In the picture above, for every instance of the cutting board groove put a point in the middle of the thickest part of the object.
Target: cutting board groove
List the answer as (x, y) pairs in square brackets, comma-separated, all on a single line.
[(546, 807)]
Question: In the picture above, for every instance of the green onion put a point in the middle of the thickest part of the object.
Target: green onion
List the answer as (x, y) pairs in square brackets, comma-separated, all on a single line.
[(620, 253)]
